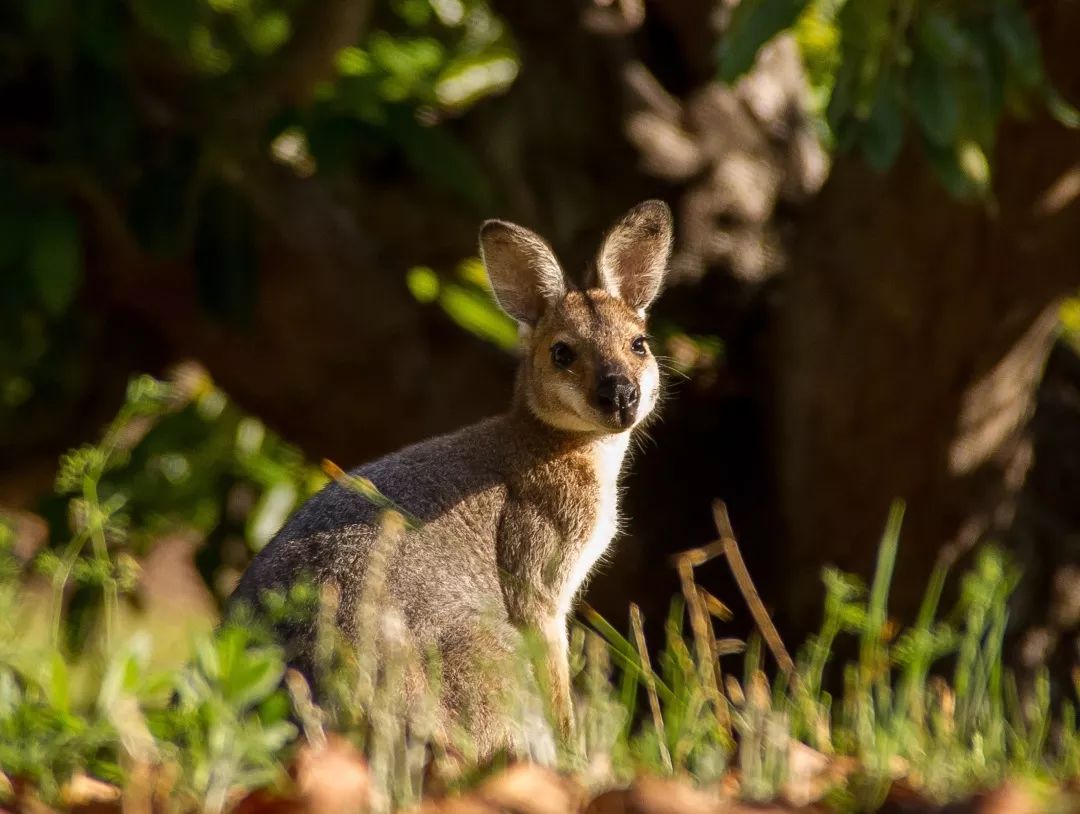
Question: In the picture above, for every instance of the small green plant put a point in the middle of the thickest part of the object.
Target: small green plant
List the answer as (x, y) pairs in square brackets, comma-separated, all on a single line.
[(228, 725), (44, 737), (174, 459)]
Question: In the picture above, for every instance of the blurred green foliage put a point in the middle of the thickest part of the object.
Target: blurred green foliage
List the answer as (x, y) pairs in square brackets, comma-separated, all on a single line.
[(143, 103), (948, 71), (178, 458), (466, 299), (1069, 321)]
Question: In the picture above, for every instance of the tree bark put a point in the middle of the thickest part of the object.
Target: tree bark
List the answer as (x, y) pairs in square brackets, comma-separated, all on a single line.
[(912, 334)]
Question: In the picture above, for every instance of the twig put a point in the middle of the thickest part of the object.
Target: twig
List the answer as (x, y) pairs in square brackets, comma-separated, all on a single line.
[(638, 627), (730, 547), (701, 625)]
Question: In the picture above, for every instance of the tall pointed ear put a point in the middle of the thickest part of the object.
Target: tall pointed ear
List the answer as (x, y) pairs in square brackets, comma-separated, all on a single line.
[(634, 255), (524, 273)]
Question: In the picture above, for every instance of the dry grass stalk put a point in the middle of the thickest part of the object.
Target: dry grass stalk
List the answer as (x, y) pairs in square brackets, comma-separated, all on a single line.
[(730, 547), (708, 663), (637, 623)]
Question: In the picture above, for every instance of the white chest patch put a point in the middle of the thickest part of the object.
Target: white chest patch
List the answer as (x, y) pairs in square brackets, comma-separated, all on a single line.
[(609, 453)]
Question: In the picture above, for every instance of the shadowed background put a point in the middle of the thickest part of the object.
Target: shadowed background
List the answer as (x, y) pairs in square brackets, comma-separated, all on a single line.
[(877, 221)]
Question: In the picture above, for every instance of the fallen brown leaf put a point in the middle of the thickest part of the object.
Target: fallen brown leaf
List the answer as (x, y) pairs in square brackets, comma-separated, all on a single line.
[(526, 788), (469, 804), (810, 775), (1008, 798), (658, 795), (903, 799), (23, 797), (334, 779), (266, 802), (730, 784), (84, 793), (25, 800), (443, 771), (30, 532)]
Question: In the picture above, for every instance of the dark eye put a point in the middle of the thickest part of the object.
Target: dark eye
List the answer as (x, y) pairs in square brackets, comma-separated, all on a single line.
[(638, 346), (562, 355)]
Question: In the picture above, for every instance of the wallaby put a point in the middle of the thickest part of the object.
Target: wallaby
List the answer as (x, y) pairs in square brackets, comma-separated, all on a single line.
[(515, 511)]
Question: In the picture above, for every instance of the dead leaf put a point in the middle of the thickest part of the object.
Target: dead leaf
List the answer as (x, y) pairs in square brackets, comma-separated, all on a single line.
[(811, 774), (903, 799), (30, 532), (526, 788), (25, 800), (86, 794), (334, 779), (612, 801), (730, 784), (658, 795), (266, 802), (469, 804), (808, 778), (1008, 798)]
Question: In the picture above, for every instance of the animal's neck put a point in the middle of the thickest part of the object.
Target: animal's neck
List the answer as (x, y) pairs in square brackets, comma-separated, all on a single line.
[(549, 443), (576, 476), (609, 452)]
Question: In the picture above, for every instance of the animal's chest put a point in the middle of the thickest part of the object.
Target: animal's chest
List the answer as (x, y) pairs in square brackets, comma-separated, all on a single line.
[(597, 536)]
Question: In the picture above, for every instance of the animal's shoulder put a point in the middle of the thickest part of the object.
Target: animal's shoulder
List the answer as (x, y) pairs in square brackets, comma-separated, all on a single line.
[(424, 480)]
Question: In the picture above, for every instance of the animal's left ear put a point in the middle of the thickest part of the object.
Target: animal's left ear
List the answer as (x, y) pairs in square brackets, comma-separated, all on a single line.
[(634, 256)]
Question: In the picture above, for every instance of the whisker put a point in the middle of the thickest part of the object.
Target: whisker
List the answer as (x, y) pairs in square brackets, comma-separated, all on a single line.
[(667, 365)]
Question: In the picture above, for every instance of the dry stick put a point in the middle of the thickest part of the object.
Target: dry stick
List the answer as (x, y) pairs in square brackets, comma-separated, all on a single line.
[(650, 683), (746, 585), (702, 628)]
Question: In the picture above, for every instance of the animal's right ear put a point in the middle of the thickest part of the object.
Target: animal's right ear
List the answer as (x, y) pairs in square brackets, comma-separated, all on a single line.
[(524, 273)]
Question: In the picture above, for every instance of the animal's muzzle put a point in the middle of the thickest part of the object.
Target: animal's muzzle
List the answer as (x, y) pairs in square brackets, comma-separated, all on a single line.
[(618, 395)]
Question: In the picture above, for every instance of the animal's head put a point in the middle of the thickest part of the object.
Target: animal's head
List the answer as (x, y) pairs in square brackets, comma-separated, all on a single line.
[(587, 364)]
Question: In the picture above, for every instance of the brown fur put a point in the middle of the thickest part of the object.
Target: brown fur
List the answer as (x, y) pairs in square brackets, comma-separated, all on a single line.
[(514, 510)]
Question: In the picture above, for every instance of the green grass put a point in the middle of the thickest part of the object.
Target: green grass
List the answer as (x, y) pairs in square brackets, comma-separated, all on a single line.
[(932, 704)]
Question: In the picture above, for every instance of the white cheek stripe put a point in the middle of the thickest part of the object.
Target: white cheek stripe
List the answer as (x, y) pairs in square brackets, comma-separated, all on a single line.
[(650, 391)]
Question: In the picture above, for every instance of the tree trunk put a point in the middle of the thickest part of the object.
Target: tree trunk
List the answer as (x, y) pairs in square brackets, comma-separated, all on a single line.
[(912, 334)]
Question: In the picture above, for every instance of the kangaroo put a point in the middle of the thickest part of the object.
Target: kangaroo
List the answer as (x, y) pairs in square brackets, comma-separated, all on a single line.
[(515, 511)]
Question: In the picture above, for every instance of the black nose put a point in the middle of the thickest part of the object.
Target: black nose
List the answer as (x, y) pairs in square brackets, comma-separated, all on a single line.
[(616, 393)]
